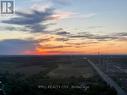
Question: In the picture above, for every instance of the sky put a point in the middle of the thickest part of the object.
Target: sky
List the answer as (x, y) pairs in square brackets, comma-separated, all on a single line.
[(50, 27)]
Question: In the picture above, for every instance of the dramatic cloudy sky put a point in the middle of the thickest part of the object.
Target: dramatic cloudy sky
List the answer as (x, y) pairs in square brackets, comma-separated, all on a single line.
[(65, 27)]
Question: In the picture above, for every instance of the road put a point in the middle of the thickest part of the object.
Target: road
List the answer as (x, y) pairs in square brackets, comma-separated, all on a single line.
[(120, 69), (107, 79)]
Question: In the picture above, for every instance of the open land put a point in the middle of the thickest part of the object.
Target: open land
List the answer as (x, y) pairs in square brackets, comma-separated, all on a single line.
[(59, 75)]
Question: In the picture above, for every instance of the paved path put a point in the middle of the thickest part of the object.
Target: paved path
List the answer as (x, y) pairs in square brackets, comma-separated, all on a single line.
[(107, 79)]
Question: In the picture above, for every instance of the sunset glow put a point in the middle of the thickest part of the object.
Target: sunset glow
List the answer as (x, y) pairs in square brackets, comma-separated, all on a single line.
[(50, 27)]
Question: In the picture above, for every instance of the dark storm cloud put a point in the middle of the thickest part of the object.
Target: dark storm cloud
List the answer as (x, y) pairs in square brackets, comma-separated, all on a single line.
[(30, 18), (62, 39), (104, 37), (121, 34), (54, 47), (34, 21), (62, 33), (87, 35), (45, 39), (81, 43), (37, 28), (16, 46), (82, 35)]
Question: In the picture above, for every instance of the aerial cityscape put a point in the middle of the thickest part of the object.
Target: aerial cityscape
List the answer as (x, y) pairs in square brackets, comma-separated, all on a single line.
[(63, 47)]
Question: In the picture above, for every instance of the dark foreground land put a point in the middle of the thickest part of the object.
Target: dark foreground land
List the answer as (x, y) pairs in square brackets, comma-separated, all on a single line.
[(60, 75), (115, 67)]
